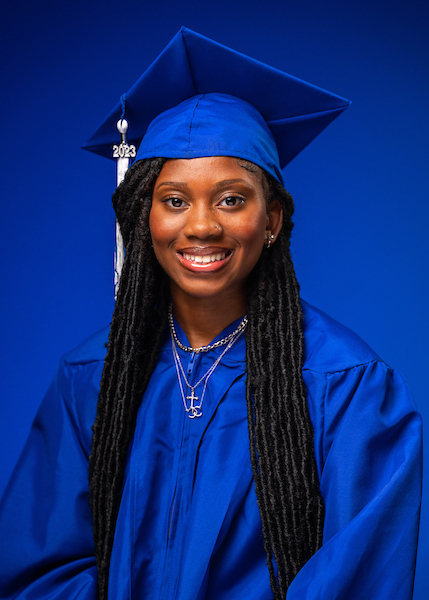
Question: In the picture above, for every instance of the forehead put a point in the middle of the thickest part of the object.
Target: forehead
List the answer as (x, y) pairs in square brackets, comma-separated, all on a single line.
[(210, 171)]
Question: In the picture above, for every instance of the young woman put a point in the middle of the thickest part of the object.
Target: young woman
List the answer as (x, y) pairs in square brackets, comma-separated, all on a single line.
[(211, 352)]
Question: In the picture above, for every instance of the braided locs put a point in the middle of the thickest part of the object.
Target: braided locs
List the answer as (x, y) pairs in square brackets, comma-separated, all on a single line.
[(280, 431), (135, 337)]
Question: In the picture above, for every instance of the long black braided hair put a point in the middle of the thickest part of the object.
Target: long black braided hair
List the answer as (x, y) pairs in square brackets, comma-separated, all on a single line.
[(280, 431)]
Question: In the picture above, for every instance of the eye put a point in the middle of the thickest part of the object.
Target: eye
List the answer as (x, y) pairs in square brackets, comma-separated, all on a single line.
[(175, 202), (231, 201)]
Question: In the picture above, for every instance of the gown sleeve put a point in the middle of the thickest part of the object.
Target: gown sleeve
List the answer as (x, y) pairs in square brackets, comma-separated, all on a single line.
[(368, 450), (46, 541)]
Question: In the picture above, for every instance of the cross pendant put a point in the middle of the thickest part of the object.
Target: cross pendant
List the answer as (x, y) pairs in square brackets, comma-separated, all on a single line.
[(193, 411)]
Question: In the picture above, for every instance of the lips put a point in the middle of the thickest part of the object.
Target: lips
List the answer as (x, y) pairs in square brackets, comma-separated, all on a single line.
[(204, 259)]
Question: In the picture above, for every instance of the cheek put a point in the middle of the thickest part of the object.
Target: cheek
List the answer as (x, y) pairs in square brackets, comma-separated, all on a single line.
[(160, 238), (252, 229), (155, 232), (160, 229)]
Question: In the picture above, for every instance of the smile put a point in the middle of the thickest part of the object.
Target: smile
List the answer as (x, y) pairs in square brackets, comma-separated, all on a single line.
[(206, 259)]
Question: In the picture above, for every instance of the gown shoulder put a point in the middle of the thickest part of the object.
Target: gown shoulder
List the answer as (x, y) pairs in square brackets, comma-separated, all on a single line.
[(331, 346)]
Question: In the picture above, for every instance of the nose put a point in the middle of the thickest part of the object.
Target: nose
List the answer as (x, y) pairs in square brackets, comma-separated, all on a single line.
[(202, 223)]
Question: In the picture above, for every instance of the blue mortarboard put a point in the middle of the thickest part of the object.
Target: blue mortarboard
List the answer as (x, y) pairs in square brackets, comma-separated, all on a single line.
[(199, 98)]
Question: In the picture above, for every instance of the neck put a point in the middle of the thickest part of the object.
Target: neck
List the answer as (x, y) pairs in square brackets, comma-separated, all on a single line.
[(203, 319)]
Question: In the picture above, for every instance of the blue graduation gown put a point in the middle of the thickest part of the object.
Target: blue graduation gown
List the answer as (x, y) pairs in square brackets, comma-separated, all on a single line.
[(188, 526)]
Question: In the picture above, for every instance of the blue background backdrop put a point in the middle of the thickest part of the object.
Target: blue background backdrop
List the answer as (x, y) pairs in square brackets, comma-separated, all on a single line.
[(361, 189)]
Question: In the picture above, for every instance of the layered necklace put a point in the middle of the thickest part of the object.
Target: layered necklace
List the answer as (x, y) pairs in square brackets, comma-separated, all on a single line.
[(191, 402)]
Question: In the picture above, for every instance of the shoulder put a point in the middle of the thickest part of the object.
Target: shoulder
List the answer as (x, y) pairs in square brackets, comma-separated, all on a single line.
[(352, 393), (80, 369), (77, 384), (93, 349), (330, 346)]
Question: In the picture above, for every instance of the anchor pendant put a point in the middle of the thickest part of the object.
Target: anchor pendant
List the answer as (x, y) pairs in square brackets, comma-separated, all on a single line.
[(193, 411)]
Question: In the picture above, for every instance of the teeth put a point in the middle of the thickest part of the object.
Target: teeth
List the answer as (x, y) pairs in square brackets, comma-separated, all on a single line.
[(208, 258)]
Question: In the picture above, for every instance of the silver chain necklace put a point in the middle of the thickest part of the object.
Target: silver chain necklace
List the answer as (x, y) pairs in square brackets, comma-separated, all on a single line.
[(195, 404), (221, 342)]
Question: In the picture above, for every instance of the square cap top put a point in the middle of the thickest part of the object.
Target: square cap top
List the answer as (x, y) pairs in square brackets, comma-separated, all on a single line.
[(191, 65)]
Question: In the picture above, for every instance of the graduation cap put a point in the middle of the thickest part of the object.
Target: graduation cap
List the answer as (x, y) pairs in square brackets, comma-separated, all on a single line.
[(294, 111), (200, 98)]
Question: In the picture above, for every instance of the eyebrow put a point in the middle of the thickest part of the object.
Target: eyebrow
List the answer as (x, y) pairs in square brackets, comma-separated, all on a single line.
[(176, 184), (225, 182), (220, 184)]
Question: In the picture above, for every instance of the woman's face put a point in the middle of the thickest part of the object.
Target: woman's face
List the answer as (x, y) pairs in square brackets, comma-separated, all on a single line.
[(208, 223)]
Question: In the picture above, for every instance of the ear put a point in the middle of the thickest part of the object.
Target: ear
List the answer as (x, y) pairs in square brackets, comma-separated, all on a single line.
[(274, 219)]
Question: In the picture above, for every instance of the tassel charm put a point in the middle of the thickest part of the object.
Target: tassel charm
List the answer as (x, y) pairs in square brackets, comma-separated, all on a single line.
[(122, 153)]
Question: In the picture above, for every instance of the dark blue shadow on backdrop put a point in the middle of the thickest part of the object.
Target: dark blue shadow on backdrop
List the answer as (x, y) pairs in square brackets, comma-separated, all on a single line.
[(360, 244)]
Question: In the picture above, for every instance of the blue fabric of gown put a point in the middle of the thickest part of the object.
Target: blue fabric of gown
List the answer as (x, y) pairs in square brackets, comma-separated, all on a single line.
[(188, 526)]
